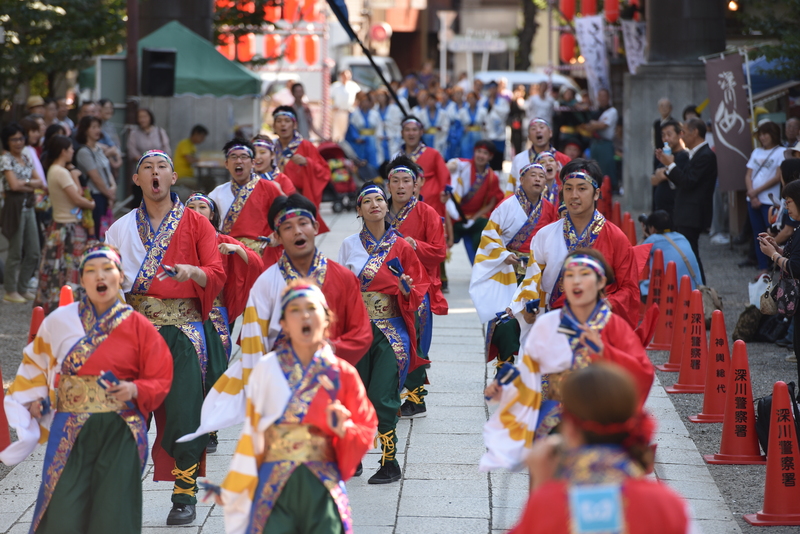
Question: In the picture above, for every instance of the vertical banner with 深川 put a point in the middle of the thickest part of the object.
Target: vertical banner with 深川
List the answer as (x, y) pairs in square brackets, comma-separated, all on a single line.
[(729, 111), (589, 31)]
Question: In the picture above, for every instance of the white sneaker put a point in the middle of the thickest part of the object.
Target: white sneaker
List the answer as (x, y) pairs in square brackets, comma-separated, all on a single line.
[(720, 239)]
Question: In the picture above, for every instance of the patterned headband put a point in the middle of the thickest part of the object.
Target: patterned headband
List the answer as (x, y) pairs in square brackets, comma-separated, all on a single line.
[(371, 190), (239, 147), (308, 291), (529, 167), (398, 170), (582, 175), (584, 260), (285, 215), (265, 144), (544, 154), (540, 121), (151, 153), (284, 113), (202, 198), (100, 251), (411, 119)]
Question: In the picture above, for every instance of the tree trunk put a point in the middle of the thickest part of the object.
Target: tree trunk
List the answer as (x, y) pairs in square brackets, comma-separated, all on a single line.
[(526, 35)]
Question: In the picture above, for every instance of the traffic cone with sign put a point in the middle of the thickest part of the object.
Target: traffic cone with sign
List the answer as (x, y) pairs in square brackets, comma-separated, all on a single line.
[(718, 368), (681, 318)]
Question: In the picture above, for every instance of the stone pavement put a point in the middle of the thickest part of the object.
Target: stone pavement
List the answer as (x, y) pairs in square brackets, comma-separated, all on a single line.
[(442, 490)]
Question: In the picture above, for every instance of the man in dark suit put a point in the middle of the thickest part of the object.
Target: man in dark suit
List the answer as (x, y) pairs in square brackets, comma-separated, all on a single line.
[(694, 185), (665, 110)]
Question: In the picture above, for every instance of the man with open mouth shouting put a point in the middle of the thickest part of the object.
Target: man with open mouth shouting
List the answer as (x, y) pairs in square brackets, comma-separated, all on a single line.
[(173, 273), (244, 200), (539, 134)]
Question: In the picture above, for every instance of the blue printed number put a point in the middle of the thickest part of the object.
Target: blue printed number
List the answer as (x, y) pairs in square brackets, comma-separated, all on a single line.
[(596, 509)]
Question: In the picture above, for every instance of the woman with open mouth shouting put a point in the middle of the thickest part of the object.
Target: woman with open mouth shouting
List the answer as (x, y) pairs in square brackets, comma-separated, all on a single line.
[(393, 284), (308, 425), (582, 332), (90, 378)]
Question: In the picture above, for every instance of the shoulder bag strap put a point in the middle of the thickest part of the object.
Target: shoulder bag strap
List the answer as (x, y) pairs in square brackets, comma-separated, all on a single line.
[(685, 259)]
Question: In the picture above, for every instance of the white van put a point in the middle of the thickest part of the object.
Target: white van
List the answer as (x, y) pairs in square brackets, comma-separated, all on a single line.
[(363, 72)]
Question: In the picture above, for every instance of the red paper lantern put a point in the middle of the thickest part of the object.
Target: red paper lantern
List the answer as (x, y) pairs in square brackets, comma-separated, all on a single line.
[(244, 47), (272, 13), (272, 45), (291, 51), (567, 8), (612, 10), (309, 11), (588, 7), (310, 54), (567, 47), (635, 3), (249, 7), (226, 48), (291, 10)]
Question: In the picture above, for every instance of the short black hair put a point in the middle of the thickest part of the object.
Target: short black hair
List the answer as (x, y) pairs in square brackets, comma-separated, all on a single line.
[(404, 161), (698, 125), (150, 113), (295, 84), (589, 166), (691, 108), (676, 125), (199, 129), (295, 200), (792, 191), (486, 145), (53, 129), (83, 127), (10, 130), (290, 109), (103, 101), (237, 141), (660, 220), (790, 170)]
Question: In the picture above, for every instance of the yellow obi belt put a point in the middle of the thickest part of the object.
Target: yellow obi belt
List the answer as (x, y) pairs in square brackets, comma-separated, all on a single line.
[(432, 130), (525, 258), (474, 128), (255, 245), (381, 305), (367, 131), (297, 443), (82, 394), (165, 312)]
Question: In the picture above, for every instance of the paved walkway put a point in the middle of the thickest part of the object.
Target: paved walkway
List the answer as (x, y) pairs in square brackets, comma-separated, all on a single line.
[(442, 491)]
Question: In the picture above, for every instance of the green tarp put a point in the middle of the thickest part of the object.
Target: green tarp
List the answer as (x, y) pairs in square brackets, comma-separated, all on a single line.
[(200, 69)]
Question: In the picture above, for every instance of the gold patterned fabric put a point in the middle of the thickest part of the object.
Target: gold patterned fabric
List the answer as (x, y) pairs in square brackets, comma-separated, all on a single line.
[(164, 312), (240, 195), (381, 305), (297, 443), (399, 219), (255, 245), (82, 394), (155, 242), (574, 242)]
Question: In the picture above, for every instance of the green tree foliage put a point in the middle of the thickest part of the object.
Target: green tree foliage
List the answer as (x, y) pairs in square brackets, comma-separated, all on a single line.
[(777, 19), (45, 39)]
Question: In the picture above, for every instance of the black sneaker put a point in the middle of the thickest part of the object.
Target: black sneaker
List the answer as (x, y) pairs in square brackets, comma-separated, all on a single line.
[(386, 474), (359, 470), (411, 410), (181, 514), (213, 442)]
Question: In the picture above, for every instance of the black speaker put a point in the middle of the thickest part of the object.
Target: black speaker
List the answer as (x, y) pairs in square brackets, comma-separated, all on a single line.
[(158, 71)]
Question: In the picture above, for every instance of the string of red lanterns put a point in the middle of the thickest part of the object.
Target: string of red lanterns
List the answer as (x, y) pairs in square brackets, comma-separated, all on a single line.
[(567, 8)]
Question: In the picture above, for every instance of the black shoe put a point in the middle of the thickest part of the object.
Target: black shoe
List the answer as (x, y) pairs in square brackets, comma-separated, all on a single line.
[(359, 470), (181, 514), (213, 442), (445, 287), (784, 342), (411, 410), (387, 473)]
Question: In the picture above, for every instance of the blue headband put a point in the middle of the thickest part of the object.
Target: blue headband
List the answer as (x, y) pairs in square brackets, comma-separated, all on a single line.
[(264, 143), (398, 170), (309, 291), (371, 190), (529, 167), (285, 215), (284, 113), (239, 147), (540, 121), (584, 260), (150, 153), (100, 251), (201, 197), (583, 175), (543, 154), (412, 119)]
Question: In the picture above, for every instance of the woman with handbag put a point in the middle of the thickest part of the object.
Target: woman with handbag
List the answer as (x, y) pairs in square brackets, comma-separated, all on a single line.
[(19, 180), (787, 260), (761, 179), (66, 237), (91, 159)]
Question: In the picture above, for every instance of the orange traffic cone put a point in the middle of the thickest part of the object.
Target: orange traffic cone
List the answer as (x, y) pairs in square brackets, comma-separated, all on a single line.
[(666, 297), (66, 296), (616, 217), (36, 321), (680, 318), (630, 231), (719, 365), (739, 443), (606, 198), (692, 377), (625, 218), (781, 490)]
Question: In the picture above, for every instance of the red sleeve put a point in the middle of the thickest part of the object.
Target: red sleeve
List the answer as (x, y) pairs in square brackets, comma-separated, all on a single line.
[(351, 335), (413, 268), (252, 221), (155, 371), (286, 184), (623, 294), (545, 511), (210, 261), (435, 179), (431, 249), (240, 277), (350, 449), (622, 346)]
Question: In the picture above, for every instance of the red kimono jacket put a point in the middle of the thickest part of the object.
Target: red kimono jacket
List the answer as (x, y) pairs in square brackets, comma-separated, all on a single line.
[(649, 507), (249, 218), (286, 184), (488, 190), (420, 221), (437, 176), (622, 346), (240, 277), (351, 332), (310, 179)]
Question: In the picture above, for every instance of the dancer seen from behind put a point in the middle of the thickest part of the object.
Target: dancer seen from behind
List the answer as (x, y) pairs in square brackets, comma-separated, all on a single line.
[(96, 436), (244, 200), (173, 273), (422, 228), (308, 425), (599, 461), (582, 227), (582, 332), (502, 258), (294, 220), (392, 302)]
